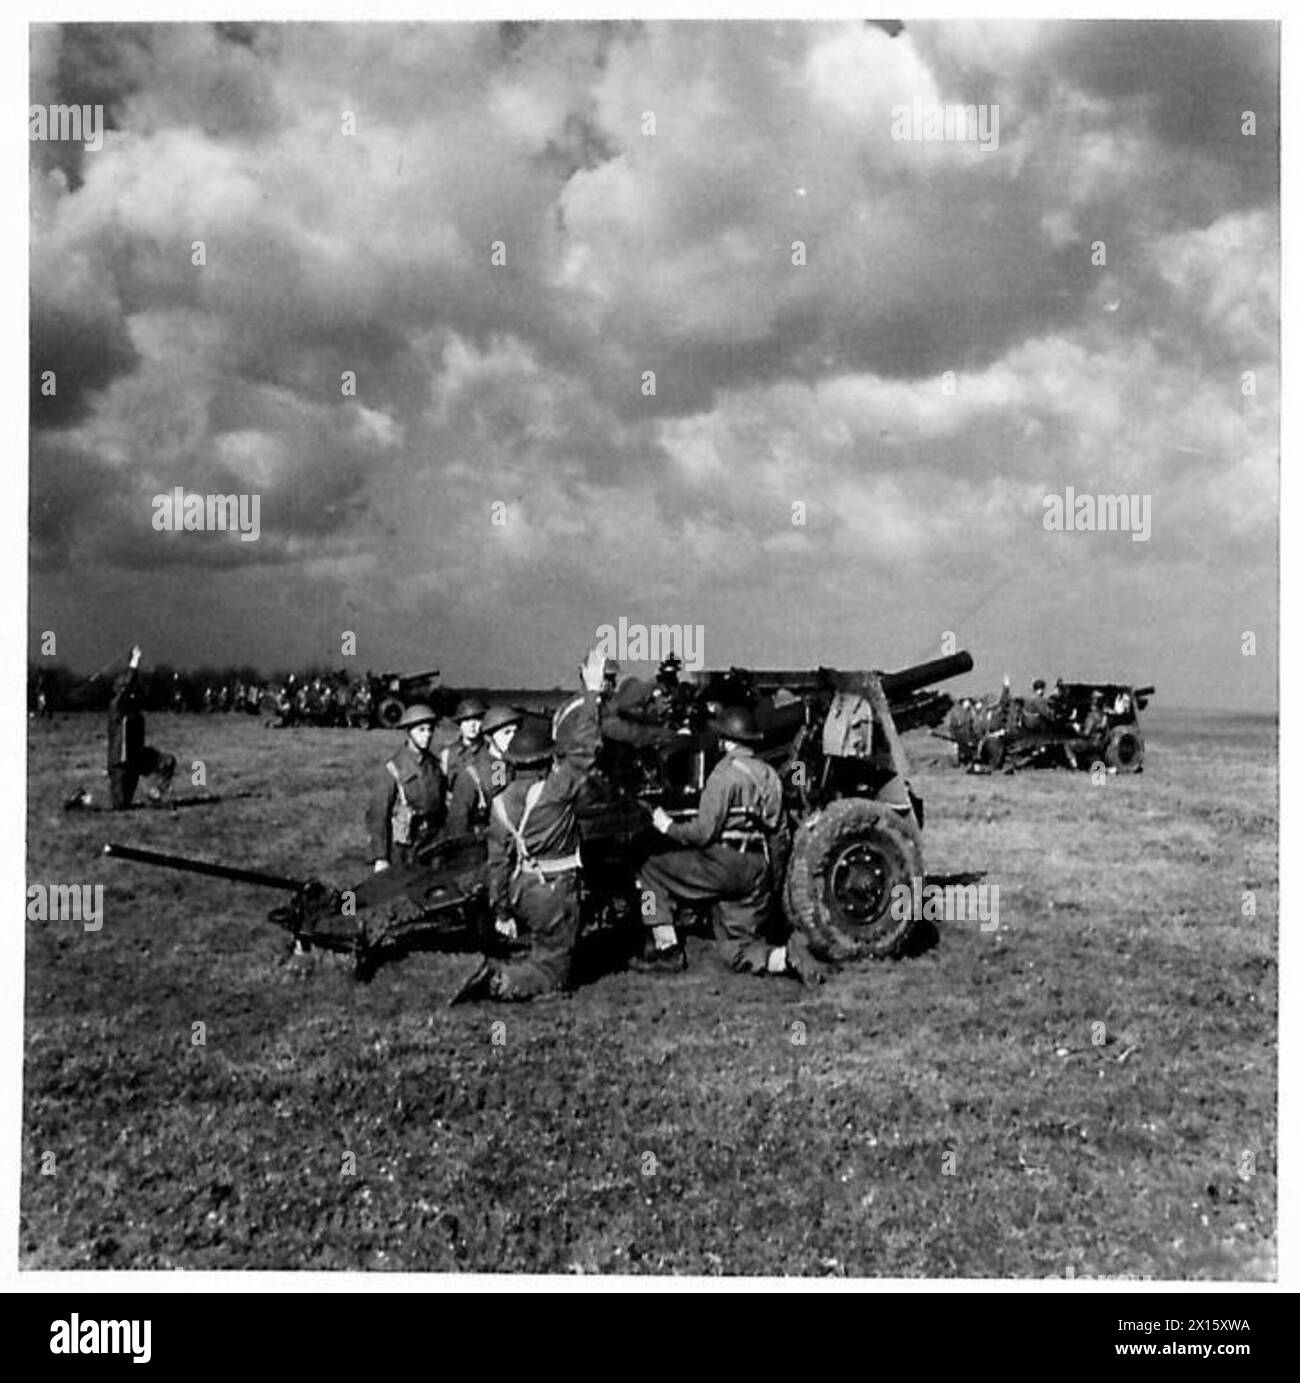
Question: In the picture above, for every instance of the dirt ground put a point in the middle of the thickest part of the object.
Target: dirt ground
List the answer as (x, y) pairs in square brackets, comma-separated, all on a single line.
[(959, 1113)]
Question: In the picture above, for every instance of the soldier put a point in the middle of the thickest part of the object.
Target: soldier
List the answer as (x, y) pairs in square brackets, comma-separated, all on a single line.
[(467, 767), (534, 864), (129, 758), (1097, 722), (1037, 711), (499, 726), (727, 861), (408, 806)]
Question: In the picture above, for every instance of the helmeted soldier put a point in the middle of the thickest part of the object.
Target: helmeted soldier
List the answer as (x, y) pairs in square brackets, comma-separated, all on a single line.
[(408, 805), (1037, 711), (129, 758), (727, 861), (467, 767), (534, 861), (1097, 722)]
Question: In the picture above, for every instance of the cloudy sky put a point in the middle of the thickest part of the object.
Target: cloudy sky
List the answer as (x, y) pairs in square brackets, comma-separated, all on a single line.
[(516, 389)]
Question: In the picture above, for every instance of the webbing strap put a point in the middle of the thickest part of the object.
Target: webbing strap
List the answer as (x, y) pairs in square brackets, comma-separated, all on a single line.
[(397, 778), (534, 792)]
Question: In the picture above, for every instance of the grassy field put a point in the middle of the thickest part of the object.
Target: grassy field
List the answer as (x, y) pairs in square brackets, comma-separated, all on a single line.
[(955, 1114)]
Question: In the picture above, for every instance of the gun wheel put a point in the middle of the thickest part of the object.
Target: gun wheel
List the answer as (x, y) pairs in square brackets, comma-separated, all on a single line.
[(389, 711), (845, 864), (1124, 749)]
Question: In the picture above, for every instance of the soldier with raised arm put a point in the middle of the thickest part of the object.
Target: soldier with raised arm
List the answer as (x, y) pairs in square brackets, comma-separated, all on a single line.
[(129, 757)]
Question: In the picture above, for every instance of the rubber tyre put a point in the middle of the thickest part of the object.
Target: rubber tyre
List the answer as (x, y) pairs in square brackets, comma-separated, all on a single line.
[(1125, 750), (389, 712), (844, 864)]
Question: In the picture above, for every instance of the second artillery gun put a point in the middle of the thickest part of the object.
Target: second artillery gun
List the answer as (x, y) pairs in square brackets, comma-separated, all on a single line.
[(1009, 732), (835, 740)]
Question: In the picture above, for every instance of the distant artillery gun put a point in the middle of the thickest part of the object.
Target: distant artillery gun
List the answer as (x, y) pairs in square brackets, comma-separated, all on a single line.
[(391, 694), (835, 741), (1007, 732)]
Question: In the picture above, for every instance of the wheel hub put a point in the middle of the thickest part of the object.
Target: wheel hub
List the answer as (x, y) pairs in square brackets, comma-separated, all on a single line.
[(859, 883)]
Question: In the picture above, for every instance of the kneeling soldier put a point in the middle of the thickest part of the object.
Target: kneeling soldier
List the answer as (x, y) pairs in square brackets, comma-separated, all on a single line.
[(534, 863), (407, 807), (728, 862)]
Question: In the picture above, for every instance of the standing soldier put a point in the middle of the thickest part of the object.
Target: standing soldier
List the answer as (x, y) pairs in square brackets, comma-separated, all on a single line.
[(129, 758), (727, 861), (467, 767), (499, 726), (534, 863), (407, 807)]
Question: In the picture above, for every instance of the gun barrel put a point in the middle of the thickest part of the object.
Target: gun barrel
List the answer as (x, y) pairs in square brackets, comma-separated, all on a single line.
[(217, 871), (419, 676), (913, 679), (1144, 691)]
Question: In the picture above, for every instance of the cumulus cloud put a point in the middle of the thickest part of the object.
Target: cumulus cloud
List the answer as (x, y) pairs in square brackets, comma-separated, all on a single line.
[(501, 232)]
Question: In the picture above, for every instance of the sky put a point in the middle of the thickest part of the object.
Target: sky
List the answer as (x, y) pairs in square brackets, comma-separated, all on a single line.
[(844, 461)]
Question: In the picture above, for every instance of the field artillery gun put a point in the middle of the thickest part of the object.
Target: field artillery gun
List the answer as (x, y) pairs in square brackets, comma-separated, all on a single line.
[(391, 693), (1077, 724), (834, 739)]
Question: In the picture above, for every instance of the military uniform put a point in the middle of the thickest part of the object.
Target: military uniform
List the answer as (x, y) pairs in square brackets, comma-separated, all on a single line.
[(576, 731), (534, 863), (129, 758), (1096, 724), (407, 805), (468, 771), (740, 818)]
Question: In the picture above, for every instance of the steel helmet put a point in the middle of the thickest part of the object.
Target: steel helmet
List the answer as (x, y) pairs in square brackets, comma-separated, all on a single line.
[(737, 723), (532, 743), (419, 714), (498, 717)]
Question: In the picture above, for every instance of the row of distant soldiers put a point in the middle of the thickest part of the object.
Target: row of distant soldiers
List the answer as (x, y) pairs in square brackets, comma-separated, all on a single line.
[(521, 779), (334, 699)]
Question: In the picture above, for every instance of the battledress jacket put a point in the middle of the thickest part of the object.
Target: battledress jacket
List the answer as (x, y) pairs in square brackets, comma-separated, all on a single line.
[(551, 832)]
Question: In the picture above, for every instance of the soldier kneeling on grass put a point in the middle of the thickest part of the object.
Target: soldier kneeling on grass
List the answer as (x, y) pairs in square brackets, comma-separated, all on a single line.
[(534, 861), (728, 862)]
